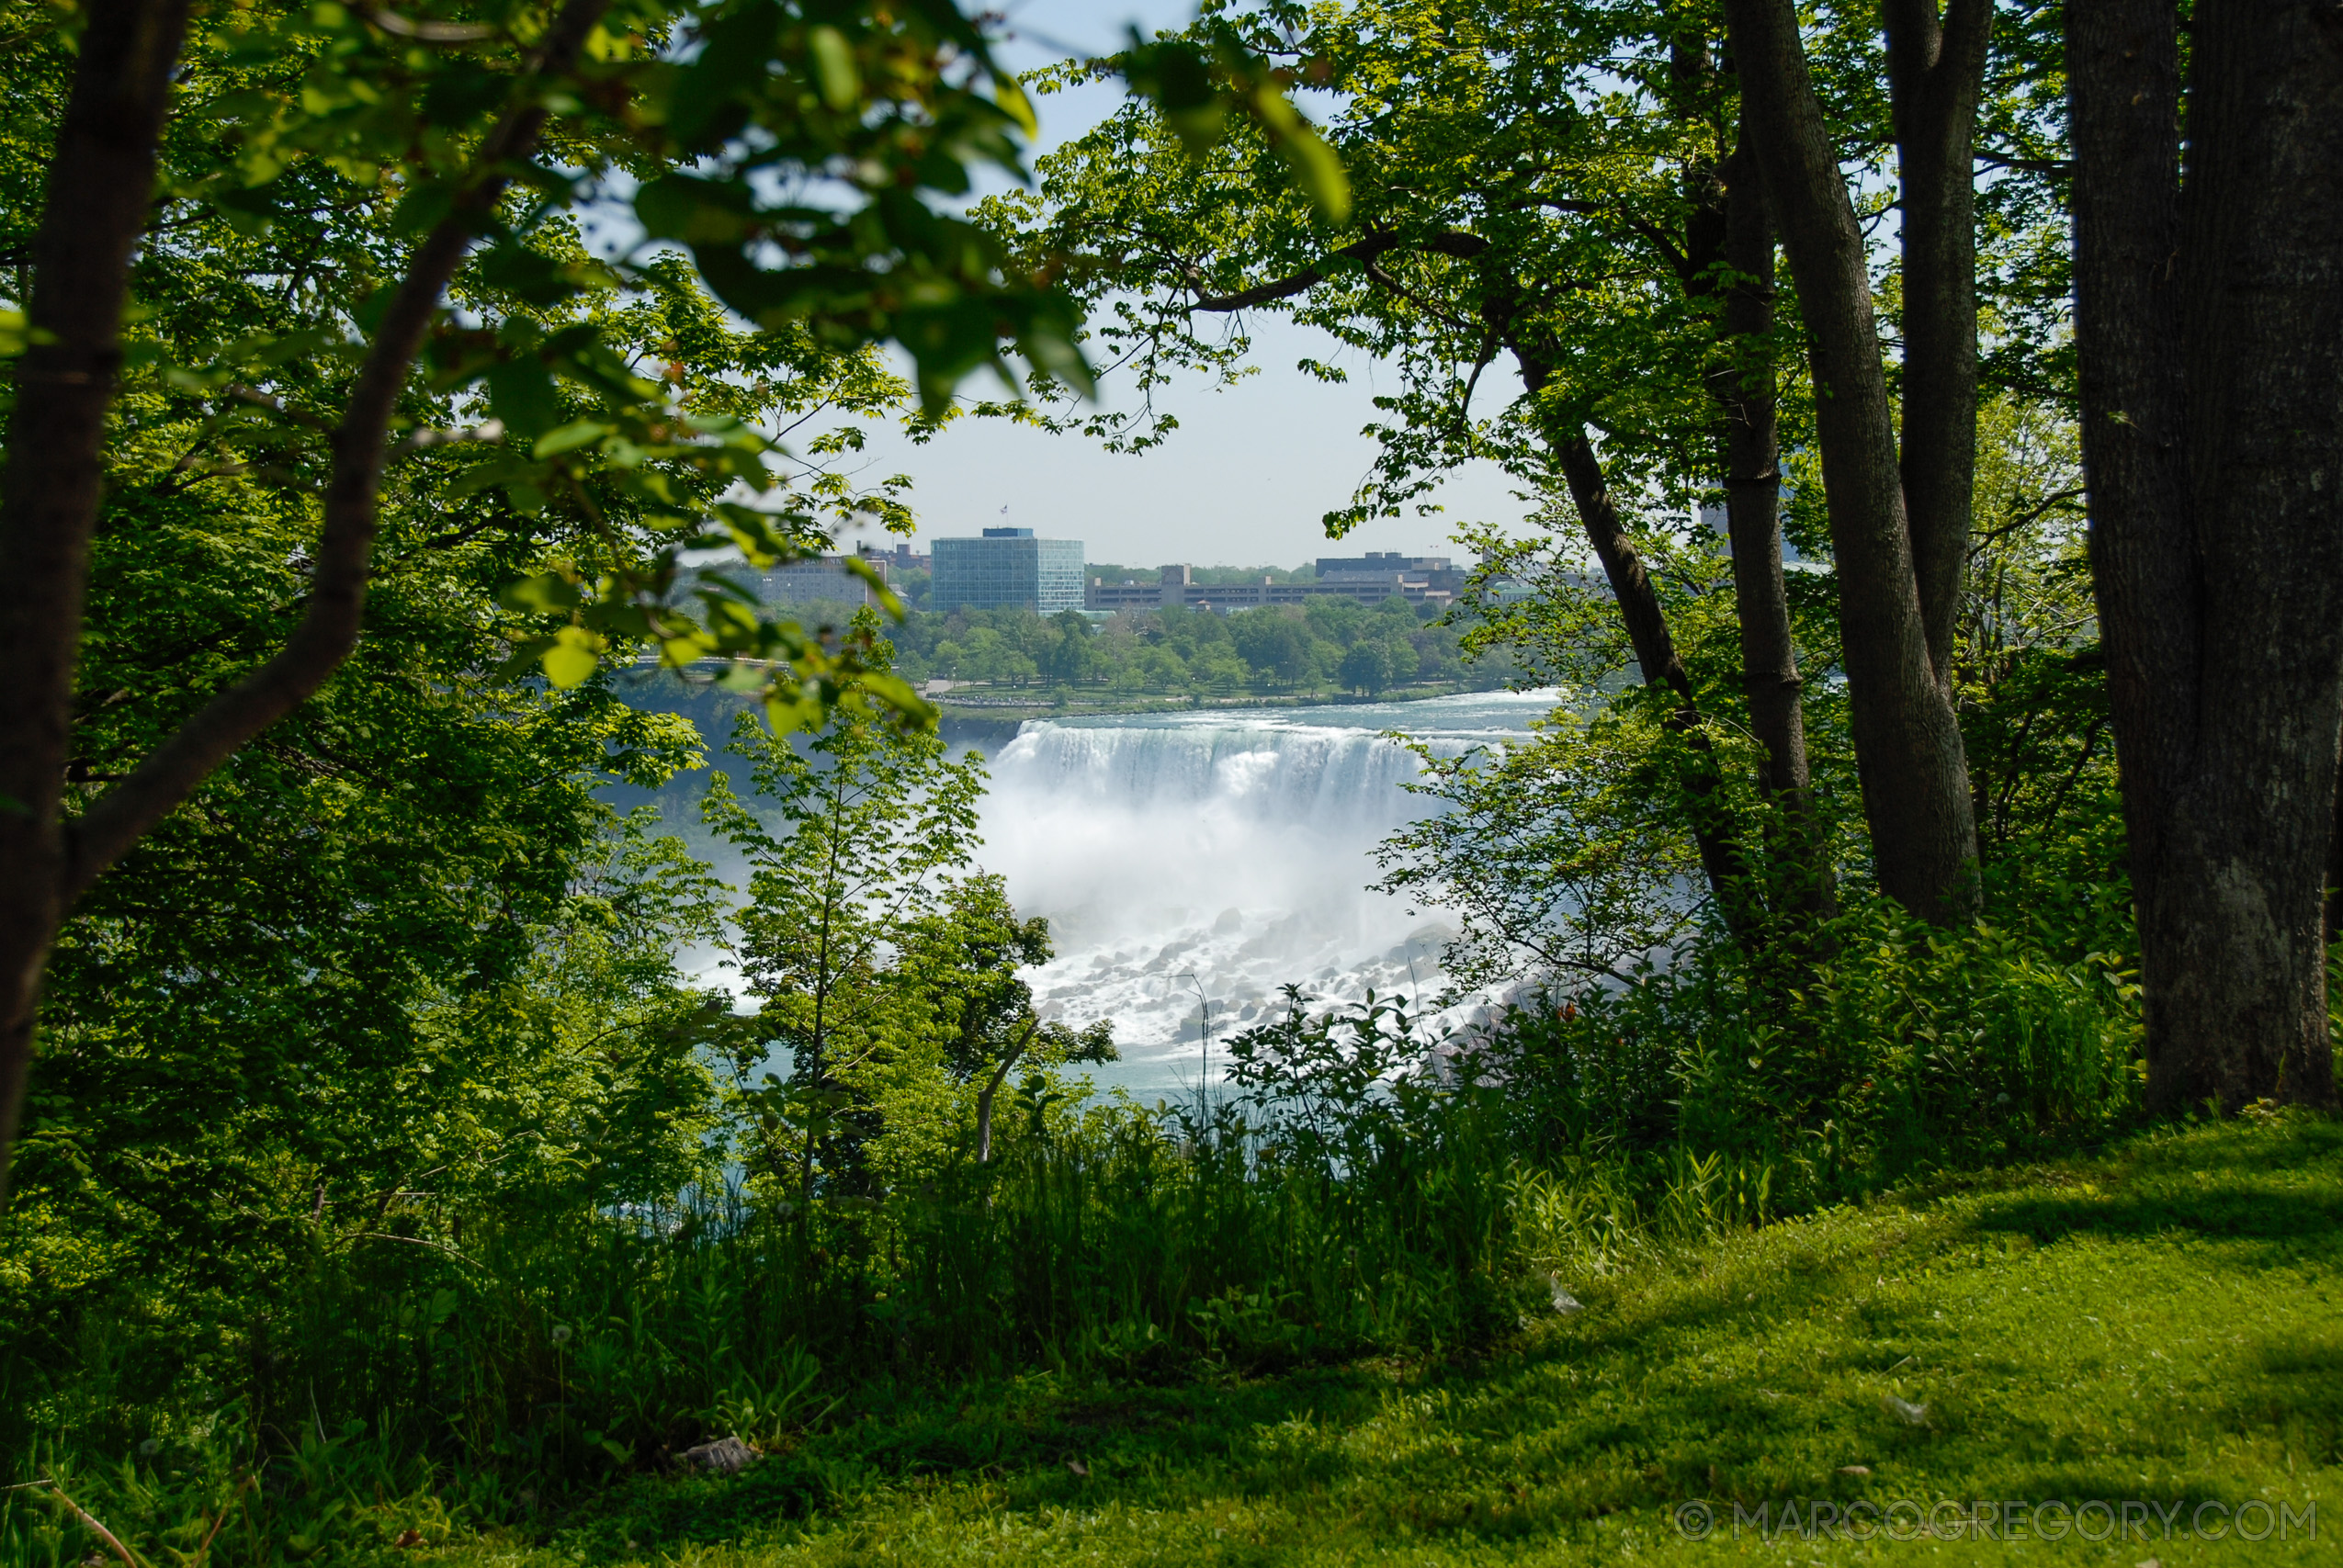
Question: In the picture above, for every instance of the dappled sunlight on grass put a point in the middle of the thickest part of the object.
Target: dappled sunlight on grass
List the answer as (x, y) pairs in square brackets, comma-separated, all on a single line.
[(2161, 1323)]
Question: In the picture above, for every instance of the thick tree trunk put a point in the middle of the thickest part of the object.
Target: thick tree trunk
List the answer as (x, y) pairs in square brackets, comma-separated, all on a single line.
[(1743, 387), (2210, 326), (2335, 874), (101, 184), (1728, 250), (1907, 742)]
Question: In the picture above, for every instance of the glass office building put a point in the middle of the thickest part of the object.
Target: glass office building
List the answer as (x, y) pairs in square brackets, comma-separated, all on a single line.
[(1007, 569)]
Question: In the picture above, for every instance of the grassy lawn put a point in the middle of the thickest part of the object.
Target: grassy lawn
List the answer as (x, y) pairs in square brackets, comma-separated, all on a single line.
[(2161, 1324)]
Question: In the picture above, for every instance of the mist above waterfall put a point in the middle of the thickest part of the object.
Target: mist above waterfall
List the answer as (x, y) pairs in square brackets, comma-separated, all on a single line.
[(1214, 857)]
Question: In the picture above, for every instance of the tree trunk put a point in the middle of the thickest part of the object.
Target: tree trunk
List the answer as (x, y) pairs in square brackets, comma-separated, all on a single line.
[(1655, 650), (2210, 331), (1935, 74), (992, 1087), (2335, 873), (1728, 250), (1908, 741), (1743, 387), (101, 185)]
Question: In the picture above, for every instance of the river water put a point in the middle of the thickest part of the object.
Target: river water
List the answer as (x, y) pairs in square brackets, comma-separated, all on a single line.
[(1201, 861)]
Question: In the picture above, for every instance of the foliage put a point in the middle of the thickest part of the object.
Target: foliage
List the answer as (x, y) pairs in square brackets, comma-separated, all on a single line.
[(866, 836), (884, 961), (602, 394), (1561, 855), (1523, 175), (1754, 1366), (1278, 650), (392, 1178), (1573, 852), (2032, 694)]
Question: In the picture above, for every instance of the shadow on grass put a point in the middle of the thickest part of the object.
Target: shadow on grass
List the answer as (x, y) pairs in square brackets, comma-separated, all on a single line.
[(2245, 1199), (1505, 1449), (656, 1515)]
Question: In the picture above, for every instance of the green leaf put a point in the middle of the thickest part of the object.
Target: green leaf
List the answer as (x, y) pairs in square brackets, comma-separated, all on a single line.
[(249, 209), (1010, 97), (572, 658), (570, 438), (696, 212), (547, 594), (704, 98), (529, 275), (520, 390), (1312, 160), (833, 68), (896, 694)]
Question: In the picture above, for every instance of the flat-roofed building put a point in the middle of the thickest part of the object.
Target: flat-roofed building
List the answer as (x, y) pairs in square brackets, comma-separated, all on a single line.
[(1377, 575), (823, 580), (1007, 569), (1369, 580)]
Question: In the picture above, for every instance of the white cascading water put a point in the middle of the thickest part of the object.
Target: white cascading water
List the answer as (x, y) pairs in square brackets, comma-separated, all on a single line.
[(1216, 856)]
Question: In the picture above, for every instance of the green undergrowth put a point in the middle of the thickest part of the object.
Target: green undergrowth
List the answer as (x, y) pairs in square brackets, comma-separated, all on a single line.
[(2162, 1323)]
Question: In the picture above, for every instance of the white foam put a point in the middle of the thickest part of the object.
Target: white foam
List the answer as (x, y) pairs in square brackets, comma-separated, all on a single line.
[(1216, 856)]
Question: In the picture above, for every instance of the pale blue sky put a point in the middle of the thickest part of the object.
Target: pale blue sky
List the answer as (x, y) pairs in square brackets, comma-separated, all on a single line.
[(1251, 471)]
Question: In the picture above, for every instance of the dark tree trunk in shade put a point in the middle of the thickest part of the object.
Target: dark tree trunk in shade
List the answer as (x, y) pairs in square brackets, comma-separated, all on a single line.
[(1743, 387), (1655, 648), (2335, 876), (1729, 249), (2210, 331), (1908, 741), (101, 184), (1935, 74)]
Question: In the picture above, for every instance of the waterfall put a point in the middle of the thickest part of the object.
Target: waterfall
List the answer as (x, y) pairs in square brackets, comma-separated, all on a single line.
[(1209, 858)]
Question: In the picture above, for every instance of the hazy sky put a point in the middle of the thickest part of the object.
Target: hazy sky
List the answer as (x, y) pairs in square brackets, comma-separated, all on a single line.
[(1247, 476)]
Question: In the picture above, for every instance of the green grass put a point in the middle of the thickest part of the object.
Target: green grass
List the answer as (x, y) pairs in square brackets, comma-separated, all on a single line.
[(2164, 1322)]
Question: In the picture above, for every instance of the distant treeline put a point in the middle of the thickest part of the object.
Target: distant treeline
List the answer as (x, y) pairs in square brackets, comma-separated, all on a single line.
[(1330, 645)]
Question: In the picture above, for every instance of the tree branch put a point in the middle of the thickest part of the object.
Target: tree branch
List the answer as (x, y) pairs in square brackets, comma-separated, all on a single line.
[(992, 1087), (1455, 243), (99, 197), (2027, 165), (329, 629)]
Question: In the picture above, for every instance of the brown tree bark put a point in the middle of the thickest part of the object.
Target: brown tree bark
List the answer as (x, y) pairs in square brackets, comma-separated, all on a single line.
[(1908, 741), (1722, 859), (1742, 386), (1935, 74), (2209, 320), (100, 185), (1728, 250)]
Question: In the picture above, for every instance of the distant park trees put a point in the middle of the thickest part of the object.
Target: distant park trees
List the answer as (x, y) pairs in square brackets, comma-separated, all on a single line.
[(1280, 650)]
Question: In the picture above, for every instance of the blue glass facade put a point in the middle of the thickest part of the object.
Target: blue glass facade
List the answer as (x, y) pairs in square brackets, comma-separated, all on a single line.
[(1008, 569)]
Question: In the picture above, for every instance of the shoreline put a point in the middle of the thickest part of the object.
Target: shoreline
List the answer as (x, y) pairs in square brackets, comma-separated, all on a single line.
[(1003, 708)]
